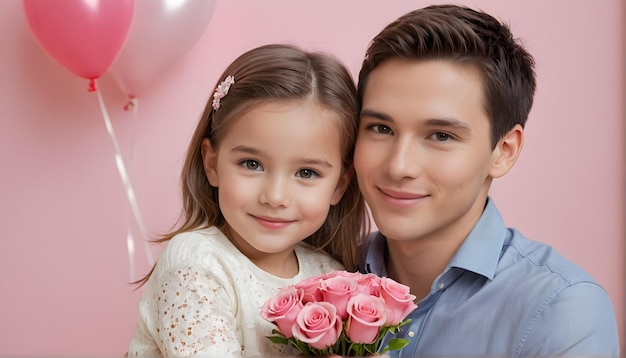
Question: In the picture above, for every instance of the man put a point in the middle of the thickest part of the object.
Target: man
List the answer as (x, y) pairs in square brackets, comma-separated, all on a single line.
[(445, 92)]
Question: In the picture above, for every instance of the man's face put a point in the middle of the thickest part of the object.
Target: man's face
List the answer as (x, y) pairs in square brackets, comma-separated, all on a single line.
[(423, 154)]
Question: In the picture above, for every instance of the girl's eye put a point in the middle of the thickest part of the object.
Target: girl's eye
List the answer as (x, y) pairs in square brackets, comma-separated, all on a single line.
[(381, 128), (307, 173), (251, 164)]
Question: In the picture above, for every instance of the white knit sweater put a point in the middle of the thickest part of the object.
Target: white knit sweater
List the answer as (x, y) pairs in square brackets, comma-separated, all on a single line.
[(204, 298)]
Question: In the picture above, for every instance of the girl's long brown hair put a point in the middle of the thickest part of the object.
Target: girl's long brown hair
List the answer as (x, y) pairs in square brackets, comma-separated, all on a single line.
[(277, 73)]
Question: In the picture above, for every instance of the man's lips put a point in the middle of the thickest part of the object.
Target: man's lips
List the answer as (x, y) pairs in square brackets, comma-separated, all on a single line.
[(399, 198)]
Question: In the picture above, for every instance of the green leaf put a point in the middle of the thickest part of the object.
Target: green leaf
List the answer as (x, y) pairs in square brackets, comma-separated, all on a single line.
[(278, 333), (370, 349), (301, 346), (278, 339), (397, 343)]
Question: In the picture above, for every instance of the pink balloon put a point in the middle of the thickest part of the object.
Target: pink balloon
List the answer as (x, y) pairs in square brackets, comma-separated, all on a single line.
[(162, 32), (85, 36)]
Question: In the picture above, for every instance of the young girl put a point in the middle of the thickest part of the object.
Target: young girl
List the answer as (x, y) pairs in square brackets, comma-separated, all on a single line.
[(269, 199)]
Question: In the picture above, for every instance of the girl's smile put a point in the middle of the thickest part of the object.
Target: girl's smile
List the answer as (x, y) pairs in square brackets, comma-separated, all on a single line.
[(272, 223)]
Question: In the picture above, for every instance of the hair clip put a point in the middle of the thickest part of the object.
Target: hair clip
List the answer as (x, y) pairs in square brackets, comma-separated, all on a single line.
[(221, 91)]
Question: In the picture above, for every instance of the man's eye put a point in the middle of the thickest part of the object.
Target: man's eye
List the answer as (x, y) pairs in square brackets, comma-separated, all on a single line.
[(307, 173), (441, 136), (380, 128), (251, 164)]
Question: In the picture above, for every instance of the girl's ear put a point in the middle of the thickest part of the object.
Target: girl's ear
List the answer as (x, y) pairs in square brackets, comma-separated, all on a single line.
[(342, 185), (209, 159), (507, 151)]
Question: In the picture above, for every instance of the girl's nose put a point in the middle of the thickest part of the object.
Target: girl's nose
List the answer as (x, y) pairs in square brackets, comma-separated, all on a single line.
[(275, 192)]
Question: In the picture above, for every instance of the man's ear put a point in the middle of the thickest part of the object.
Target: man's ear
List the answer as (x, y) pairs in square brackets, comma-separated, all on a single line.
[(209, 159), (507, 151), (342, 185)]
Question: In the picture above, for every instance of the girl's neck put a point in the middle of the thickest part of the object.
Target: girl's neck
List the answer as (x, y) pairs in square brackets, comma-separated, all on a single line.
[(284, 265)]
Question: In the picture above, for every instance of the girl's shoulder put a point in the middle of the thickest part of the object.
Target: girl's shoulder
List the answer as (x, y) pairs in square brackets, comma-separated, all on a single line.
[(195, 246)]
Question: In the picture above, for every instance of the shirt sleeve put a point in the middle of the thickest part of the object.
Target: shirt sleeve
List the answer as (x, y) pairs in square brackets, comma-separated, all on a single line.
[(196, 314), (577, 321)]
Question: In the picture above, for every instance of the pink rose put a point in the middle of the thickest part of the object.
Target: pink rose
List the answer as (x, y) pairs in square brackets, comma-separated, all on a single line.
[(367, 315), (283, 308), (398, 300), (369, 284), (343, 273), (311, 289), (317, 325), (338, 290)]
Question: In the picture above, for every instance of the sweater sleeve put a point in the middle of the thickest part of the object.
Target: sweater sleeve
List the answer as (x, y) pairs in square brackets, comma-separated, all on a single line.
[(194, 301), (196, 314)]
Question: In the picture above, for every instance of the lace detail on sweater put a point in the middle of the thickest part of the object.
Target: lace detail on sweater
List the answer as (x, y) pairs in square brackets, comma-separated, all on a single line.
[(190, 314)]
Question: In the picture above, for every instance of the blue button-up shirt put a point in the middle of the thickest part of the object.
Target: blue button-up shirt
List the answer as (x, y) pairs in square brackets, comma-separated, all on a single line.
[(505, 295)]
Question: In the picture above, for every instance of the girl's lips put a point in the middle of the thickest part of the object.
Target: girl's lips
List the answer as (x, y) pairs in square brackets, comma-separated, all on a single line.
[(272, 223)]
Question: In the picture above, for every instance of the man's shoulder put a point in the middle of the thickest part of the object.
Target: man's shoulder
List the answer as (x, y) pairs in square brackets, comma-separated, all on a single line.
[(539, 258), (554, 288)]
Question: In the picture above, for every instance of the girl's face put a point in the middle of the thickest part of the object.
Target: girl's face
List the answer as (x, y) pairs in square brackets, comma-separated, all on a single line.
[(278, 170)]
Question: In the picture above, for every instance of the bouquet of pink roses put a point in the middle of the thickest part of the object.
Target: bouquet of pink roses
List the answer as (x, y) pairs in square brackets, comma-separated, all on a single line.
[(340, 313)]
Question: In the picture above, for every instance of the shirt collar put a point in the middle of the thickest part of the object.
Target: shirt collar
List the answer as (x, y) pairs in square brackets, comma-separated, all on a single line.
[(376, 254), (481, 250)]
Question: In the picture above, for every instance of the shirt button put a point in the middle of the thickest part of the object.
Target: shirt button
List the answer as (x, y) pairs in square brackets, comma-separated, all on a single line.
[(441, 285), (411, 334)]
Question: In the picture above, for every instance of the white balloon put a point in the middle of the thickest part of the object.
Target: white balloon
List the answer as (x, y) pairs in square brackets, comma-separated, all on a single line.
[(162, 32)]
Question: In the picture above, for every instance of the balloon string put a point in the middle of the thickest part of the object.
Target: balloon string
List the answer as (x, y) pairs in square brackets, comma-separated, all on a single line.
[(130, 193), (133, 105), (130, 241), (130, 245)]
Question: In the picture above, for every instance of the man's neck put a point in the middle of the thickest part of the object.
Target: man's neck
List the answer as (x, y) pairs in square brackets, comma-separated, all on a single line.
[(417, 264)]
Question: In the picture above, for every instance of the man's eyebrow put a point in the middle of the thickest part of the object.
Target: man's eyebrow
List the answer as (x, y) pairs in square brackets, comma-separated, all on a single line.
[(432, 122), (447, 122), (371, 113)]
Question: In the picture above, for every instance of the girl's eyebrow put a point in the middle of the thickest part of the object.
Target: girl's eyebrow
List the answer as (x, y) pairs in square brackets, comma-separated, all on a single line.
[(320, 162), (253, 151), (246, 150)]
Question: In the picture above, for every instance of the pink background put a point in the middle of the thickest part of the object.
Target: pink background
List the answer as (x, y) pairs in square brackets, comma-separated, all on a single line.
[(64, 264)]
